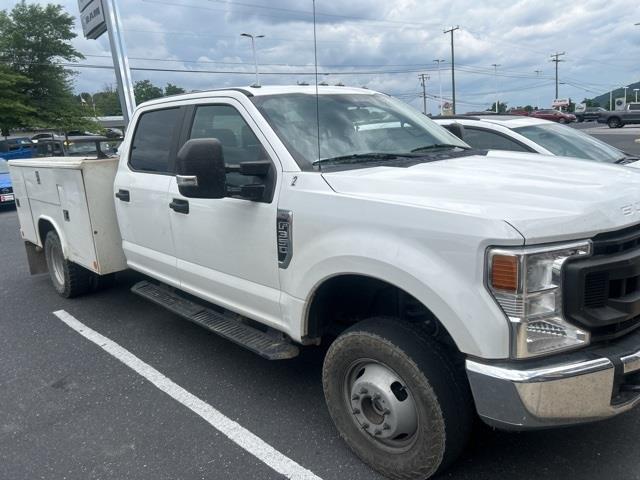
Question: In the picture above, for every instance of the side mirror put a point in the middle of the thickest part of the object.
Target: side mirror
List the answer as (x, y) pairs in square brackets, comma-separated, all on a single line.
[(200, 169), (457, 129)]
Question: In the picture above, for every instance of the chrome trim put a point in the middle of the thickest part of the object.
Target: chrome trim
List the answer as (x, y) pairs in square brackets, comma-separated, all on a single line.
[(539, 374), (187, 180), (631, 363), (514, 398)]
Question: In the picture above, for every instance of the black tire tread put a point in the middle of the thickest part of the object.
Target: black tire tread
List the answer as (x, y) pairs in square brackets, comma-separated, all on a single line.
[(455, 400), (77, 280)]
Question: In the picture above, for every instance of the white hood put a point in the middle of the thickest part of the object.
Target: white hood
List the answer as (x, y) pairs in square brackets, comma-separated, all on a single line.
[(545, 198)]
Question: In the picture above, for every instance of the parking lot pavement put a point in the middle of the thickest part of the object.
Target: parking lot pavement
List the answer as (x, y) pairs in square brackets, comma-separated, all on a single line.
[(69, 409), (622, 138)]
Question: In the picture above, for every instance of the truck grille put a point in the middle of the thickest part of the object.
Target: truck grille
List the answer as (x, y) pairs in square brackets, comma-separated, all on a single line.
[(603, 291)]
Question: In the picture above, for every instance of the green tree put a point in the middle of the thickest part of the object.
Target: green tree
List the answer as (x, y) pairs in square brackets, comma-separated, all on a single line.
[(144, 90), (33, 39), (107, 101), (172, 89), (502, 107), (14, 111)]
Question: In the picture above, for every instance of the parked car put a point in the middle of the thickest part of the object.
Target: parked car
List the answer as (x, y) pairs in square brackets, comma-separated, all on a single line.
[(446, 282), (85, 146), (618, 119), (526, 134), (44, 136), (589, 114), (553, 115), (6, 189), (16, 148)]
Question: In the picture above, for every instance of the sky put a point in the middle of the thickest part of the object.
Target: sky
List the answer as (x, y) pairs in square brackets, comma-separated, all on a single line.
[(380, 44)]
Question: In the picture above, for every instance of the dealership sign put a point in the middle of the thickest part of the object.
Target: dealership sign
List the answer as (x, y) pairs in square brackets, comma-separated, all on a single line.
[(92, 18)]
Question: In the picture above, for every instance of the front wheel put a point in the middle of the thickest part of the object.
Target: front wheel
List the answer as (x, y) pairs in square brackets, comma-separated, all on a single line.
[(614, 122), (397, 399), (68, 278)]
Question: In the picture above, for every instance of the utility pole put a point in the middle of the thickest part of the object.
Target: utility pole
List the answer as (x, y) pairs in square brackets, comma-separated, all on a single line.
[(556, 59), (453, 69), (495, 73), (636, 90), (423, 81), (625, 94), (255, 58), (440, 83), (538, 73)]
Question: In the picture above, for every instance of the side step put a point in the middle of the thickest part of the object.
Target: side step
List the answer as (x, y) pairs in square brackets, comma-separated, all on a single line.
[(228, 326)]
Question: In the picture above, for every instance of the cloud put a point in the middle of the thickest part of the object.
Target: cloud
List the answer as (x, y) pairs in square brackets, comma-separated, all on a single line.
[(360, 39)]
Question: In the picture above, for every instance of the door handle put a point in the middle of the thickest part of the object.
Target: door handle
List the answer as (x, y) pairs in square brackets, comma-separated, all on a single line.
[(123, 195), (179, 206)]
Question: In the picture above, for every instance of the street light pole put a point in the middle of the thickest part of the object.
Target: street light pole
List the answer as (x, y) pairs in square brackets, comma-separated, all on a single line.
[(625, 94), (453, 69), (255, 57), (495, 73), (636, 90), (440, 82)]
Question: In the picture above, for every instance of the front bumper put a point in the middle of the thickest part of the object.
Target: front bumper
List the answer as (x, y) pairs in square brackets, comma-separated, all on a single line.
[(592, 384)]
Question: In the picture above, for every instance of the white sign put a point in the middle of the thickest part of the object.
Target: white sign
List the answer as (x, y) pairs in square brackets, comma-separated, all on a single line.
[(82, 4), (560, 102), (92, 18)]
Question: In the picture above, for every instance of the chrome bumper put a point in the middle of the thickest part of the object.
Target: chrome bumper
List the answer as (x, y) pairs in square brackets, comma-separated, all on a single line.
[(576, 388)]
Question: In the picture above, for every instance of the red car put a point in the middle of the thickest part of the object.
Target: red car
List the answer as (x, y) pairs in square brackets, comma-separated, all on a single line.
[(554, 116)]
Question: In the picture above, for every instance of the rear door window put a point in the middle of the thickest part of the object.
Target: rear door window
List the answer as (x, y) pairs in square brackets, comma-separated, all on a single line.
[(488, 140), (152, 143)]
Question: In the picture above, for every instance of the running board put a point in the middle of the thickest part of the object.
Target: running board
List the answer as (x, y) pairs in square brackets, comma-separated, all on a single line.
[(269, 346)]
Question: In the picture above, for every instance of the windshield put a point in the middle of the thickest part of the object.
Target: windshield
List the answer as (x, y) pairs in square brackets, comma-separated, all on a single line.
[(569, 142), (4, 166), (350, 125)]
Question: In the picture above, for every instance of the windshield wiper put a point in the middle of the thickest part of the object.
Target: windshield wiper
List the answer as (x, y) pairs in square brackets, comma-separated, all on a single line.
[(361, 158), (438, 145)]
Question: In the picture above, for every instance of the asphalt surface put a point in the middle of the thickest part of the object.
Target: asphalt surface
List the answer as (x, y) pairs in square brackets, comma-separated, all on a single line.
[(622, 138), (69, 410)]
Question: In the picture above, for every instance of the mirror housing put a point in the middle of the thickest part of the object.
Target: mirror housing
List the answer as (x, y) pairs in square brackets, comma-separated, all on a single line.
[(201, 170), (457, 129)]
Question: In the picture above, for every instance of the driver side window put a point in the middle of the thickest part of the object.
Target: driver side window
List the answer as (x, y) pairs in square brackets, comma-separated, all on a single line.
[(239, 143)]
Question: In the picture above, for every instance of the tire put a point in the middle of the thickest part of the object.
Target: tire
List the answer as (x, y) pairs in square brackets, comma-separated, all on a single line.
[(614, 122), (68, 278), (399, 363), (580, 119)]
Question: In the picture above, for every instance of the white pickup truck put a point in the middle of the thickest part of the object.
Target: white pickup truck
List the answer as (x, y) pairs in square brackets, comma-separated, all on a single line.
[(448, 281)]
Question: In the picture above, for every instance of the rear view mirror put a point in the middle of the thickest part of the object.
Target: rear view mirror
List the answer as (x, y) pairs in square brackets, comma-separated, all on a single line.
[(200, 169), (456, 128)]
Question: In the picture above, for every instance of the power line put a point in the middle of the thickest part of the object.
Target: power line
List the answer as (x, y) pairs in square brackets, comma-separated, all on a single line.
[(301, 13)]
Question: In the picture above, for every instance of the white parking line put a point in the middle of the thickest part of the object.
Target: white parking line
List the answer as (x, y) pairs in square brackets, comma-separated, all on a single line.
[(235, 432)]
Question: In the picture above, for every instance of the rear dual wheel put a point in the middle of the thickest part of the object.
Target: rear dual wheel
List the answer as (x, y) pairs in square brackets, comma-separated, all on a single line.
[(68, 278), (397, 399)]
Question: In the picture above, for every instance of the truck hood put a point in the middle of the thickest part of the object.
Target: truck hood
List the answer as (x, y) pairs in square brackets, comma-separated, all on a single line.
[(545, 198)]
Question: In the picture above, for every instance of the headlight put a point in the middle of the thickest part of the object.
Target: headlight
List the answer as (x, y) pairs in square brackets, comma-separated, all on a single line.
[(527, 284)]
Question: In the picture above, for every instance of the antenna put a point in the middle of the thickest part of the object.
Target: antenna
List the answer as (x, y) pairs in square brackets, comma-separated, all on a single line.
[(315, 61)]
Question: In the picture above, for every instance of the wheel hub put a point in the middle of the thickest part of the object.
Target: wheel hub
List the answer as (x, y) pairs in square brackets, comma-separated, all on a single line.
[(381, 403)]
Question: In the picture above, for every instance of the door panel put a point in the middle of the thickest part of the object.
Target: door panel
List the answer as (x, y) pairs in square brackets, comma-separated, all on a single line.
[(226, 248), (141, 189)]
